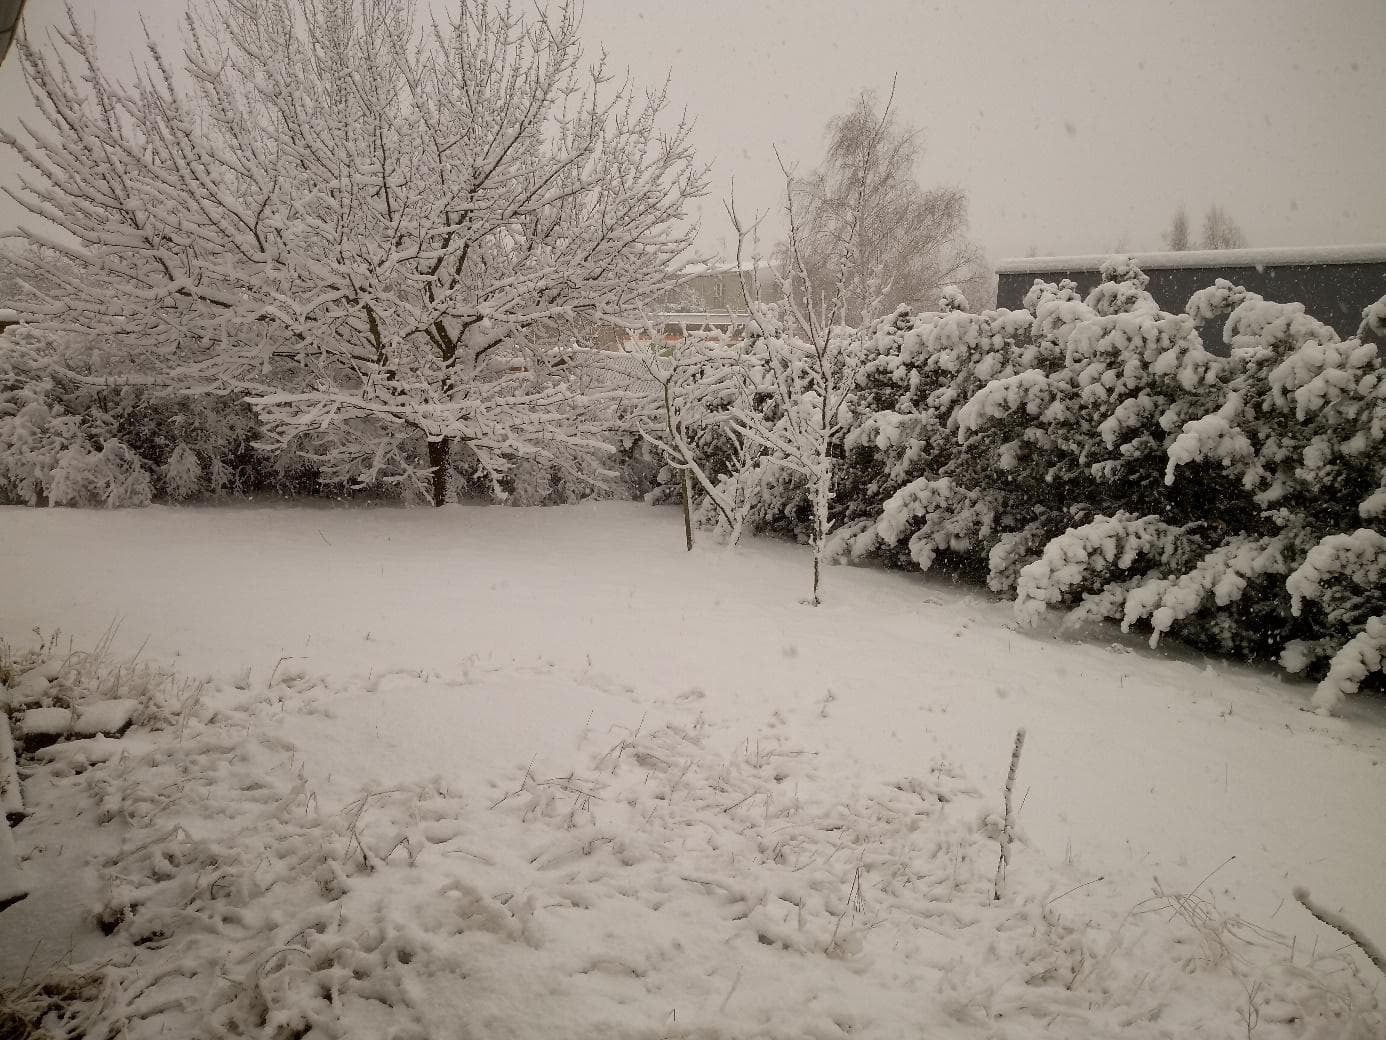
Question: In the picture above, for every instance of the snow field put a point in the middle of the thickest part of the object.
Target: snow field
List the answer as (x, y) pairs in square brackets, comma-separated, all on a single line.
[(661, 887), (576, 783)]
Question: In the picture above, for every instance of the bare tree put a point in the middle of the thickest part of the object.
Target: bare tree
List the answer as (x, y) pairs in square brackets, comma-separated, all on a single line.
[(1220, 231), (801, 360), (865, 200), (378, 233), (1177, 236)]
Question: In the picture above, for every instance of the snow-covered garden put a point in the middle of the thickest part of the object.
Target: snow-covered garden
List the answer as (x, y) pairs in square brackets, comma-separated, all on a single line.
[(872, 665), (539, 772)]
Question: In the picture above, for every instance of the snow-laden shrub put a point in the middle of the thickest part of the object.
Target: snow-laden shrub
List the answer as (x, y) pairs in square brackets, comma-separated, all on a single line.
[(1091, 454), (918, 370), (113, 476), (1345, 576), (952, 299), (1373, 327), (1122, 289), (32, 441), (1286, 437), (182, 473), (564, 477), (1086, 556), (1048, 419), (1303, 427), (48, 457), (51, 454), (764, 497), (74, 432), (1358, 658), (205, 444)]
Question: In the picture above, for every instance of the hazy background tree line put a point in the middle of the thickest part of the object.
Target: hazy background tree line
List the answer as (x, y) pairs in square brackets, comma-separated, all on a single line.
[(1220, 231)]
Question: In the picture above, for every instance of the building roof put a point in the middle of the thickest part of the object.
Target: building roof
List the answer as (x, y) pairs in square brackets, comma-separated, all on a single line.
[(1282, 256), (697, 318), (756, 264)]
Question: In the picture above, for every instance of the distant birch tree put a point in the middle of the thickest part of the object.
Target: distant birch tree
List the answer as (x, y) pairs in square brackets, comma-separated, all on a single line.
[(1220, 231), (865, 202), (375, 231), (1177, 236)]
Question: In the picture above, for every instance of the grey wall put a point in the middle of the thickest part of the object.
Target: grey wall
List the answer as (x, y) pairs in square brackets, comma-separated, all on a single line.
[(1333, 293)]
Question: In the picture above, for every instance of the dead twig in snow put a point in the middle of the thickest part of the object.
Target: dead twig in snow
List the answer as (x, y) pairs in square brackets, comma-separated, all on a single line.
[(1075, 888), (735, 982), (1008, 827)]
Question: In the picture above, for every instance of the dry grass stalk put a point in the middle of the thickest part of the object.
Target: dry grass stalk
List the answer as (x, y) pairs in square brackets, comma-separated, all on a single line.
[(1008, 828)]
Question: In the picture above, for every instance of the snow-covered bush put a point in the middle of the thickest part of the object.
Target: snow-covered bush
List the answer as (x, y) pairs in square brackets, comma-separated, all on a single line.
[(50, 457), (1093, 455), (52, 451), (1303, 428), (73, 431), (113, 476), (1345, 575), (182, 472)]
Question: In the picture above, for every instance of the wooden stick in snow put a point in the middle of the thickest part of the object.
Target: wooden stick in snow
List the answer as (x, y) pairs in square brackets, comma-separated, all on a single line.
[(1008, 828), (12, 885), (11, 799)]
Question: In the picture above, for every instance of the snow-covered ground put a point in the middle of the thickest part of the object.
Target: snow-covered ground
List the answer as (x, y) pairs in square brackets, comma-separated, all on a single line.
[(656, 795)]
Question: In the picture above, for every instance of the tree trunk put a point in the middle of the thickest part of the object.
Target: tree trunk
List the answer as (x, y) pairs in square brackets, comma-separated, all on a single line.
[(439, 453), (822, 495), (687, 511), (683, 470)]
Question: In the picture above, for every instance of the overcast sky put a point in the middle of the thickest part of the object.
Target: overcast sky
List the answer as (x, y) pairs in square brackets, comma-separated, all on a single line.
[(1077, 126)]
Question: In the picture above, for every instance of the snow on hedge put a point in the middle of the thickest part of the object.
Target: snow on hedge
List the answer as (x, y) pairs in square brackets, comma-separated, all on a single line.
[(1266, 256), (1093, 454)]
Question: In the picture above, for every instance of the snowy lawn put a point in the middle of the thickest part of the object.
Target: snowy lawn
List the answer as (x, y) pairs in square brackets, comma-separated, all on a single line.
[(537, 773)]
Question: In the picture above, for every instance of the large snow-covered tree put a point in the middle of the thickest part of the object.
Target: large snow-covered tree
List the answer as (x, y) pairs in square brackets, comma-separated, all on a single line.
[(378, 231)]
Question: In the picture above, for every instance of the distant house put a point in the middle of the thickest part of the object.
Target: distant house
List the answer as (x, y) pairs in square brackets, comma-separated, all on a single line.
[(673, 326), (1333, 282), (712, 289), (710, 299), (675, 323), (8, 318)]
